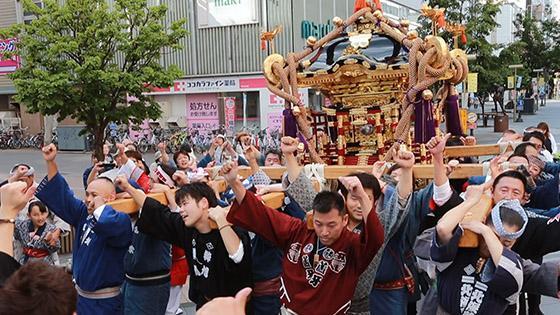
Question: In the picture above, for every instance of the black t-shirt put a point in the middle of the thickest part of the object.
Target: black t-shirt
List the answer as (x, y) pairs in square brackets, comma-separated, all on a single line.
[(548, 145), (213, 273), (8, 265)]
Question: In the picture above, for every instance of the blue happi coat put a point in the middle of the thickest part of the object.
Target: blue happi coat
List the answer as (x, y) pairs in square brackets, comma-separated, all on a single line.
[(101, 240)]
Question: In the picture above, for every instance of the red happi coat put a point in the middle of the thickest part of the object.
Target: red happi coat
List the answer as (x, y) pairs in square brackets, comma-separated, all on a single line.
[(327, 286)]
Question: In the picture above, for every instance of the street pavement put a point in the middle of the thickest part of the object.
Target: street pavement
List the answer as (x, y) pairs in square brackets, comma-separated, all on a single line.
[(72, 165)]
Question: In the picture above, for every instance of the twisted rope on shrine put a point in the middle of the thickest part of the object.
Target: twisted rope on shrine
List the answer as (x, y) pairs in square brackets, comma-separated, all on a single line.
[(288, 82)]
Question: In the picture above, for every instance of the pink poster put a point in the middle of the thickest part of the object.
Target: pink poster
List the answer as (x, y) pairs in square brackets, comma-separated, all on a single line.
[(11, 64), (202, 111), (274, 121)]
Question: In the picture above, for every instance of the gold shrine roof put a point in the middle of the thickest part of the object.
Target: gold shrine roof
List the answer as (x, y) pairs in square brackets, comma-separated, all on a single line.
[(358, 69)]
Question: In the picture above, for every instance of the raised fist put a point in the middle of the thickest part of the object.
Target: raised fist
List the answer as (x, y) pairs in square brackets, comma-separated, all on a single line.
[(229, 171), (404, 158), (289, 145), (49, 152), (436, 145)]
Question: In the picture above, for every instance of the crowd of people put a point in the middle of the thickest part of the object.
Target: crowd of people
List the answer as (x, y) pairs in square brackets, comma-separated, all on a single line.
[(368, 243)]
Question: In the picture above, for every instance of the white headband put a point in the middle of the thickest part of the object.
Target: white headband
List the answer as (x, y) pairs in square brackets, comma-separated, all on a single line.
[(513, 205)]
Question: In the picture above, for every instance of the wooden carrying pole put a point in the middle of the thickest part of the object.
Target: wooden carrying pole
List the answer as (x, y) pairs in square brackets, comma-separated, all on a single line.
[(336, 171), (479, 212), (473, 150), (274, 200)]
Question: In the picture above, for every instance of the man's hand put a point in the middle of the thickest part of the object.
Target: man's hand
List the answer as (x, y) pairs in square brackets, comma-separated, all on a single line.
[(289, 145), (122, 182), (162, 147), (353, 185), (474, 193), (17, 174), (468, 141), (475, 226), (251, 153), (218, 214), (52, 237), (262, 189), (157, 187), (121, 157), (229, 171), (451, 166), (227, 305), (49, 152), (180, 178), (355, 188), (98, 168), (13, 197), (436, 145), (404, 159)]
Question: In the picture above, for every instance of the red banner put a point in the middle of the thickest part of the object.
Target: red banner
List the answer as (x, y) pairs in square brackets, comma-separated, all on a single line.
[(229, 108)]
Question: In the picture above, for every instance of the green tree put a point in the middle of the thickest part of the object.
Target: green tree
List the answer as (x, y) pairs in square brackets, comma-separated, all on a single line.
[(541, 43), (529, 32), (93, 60)]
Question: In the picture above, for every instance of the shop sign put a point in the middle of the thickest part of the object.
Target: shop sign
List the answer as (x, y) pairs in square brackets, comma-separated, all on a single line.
[(8, 65), (216, 13), (310, 28), (226, 84), (202, 111), (213, 85)]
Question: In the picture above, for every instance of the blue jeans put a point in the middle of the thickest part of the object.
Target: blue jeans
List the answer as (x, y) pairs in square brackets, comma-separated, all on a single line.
[(149, 300), (112, 306), (390, 302), (266, 304)]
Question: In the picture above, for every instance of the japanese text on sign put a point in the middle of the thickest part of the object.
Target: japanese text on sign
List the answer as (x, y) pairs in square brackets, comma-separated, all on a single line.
[(229, 108), (202, 111), (8, 65)]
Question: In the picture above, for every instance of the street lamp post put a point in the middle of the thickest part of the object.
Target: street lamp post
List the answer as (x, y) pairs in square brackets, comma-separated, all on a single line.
[(515, 67)]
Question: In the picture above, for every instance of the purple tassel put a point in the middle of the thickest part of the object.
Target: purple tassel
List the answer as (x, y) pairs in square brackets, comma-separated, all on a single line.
[(290, 124), (302, 140), (424, 124), (452, 118)]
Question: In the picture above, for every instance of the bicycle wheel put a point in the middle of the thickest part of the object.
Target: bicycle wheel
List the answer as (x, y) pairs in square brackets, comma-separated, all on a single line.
[(16, 144)]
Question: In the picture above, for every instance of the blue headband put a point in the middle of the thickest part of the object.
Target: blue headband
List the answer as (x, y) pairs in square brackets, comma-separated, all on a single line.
[(513, 205)]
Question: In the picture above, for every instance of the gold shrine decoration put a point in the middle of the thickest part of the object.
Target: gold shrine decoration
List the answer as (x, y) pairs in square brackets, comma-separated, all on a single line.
[(437, 15), (268, 36), (458, 31)]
